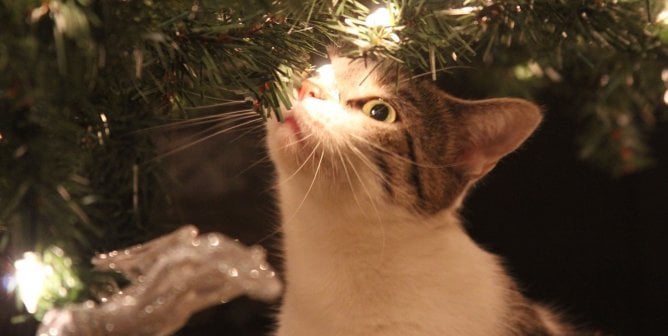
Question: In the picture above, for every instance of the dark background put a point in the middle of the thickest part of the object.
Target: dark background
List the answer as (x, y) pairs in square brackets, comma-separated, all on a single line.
[(573, 237)]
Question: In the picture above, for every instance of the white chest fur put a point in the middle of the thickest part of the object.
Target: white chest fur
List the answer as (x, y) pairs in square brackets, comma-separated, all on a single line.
[(351, 272)]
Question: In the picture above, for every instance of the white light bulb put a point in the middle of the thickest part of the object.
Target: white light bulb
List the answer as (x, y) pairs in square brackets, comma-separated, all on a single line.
[(326, 74), (380, 18), (30, 276), (663, 16), (326, 79)]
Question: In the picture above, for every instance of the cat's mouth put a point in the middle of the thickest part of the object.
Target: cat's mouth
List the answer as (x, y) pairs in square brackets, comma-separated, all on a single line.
[(292, 123)]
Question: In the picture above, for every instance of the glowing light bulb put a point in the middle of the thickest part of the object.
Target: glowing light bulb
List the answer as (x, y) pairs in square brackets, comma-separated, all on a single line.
[(663, 15), (30, 277), (380, 18), (665, 97), (326, 73), (327, 81)]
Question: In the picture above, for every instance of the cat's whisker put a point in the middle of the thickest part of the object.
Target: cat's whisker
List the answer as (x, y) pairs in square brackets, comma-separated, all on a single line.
[(371, 200), (303, 139), (350, 182), (362, 184), (219, 125), (264, 159), (301, 166), (374, 168), (198, 141), (383, 150), (363, 158), (248, 131), (358, 153), (201, 95), (310, 187), (367, 162), (216, 105), (398, 157), (334, 167), (272, 233), (200, 120)]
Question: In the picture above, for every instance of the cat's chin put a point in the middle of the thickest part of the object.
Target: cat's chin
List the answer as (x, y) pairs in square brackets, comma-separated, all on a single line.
[(286, 134), (291, 122), (286, 143)]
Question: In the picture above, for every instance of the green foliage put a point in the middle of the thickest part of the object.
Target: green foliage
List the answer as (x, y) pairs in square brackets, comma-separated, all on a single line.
[(80, 81)]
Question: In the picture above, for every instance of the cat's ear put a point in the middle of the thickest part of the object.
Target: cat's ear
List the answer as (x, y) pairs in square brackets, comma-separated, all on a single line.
[(490, 129)]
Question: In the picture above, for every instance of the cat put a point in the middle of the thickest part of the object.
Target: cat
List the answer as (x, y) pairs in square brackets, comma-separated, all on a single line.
[(372, 167)]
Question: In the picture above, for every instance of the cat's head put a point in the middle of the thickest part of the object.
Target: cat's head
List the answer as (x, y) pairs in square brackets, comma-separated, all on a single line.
[(366, 130)]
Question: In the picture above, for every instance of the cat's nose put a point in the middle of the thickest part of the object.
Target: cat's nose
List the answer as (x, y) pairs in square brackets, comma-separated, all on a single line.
[(311, 89)]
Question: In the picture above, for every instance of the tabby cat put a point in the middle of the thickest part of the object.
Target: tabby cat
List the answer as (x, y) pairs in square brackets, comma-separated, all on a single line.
[(372, 167)]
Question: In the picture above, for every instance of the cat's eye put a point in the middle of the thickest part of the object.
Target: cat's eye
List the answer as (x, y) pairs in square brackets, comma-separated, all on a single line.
[(380, 110)]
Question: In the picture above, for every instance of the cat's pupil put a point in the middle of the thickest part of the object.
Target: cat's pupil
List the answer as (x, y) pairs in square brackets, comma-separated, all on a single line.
[(379, 112)]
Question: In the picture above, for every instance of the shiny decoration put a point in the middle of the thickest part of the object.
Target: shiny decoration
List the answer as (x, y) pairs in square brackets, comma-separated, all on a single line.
[(171, 278)]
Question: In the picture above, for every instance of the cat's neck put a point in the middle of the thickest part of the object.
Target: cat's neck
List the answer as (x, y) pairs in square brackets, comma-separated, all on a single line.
[(363, 231), (346, 260)]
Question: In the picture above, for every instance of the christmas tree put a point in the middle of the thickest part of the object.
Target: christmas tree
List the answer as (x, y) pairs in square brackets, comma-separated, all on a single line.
[(96, 96)]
